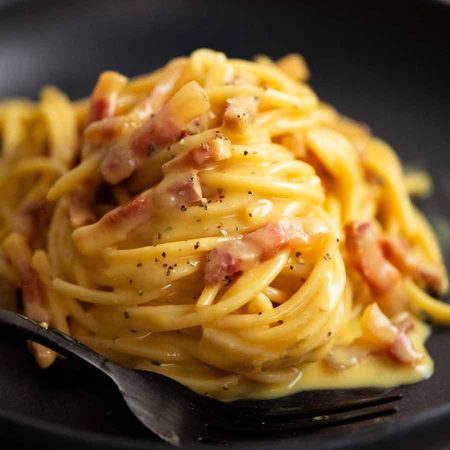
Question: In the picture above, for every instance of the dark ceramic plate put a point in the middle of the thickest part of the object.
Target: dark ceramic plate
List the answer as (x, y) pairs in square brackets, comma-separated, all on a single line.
[(384, 63)]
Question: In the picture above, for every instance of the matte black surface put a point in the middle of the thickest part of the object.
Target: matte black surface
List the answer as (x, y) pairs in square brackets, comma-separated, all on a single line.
[(384, 63)]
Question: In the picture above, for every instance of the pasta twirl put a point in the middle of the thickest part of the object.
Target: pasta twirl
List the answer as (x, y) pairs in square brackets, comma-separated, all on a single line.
[(215, 222)]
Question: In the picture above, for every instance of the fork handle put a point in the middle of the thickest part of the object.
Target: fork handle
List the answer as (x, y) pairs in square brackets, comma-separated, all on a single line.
[(53, 339)]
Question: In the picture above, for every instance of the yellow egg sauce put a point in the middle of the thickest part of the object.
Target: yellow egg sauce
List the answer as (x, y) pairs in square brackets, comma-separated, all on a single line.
[(377, 370)]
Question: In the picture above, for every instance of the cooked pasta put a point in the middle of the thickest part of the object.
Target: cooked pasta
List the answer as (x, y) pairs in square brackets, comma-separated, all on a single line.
[(215, 222)]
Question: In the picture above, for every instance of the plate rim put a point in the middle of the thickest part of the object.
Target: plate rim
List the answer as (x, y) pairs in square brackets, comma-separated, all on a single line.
[(401, 433)]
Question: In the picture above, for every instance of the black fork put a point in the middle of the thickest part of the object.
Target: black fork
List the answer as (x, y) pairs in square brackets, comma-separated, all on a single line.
[(182, 417)]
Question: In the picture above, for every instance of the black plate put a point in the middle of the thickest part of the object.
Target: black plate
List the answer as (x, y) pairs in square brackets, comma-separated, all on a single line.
[(385, 64)]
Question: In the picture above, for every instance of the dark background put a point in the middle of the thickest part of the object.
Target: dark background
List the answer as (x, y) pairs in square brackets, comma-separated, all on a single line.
[(386, 63)]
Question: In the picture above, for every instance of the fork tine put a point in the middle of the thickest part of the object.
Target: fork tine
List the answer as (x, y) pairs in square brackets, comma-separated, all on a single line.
[(299, 411), (260, 425)]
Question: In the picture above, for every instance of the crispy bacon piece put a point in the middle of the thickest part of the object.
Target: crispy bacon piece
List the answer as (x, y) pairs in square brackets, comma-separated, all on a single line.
[(367, 257), (105, 95), (398, 252), (231, 257), (217, 149), (163, 128), (178, 189), (239, 113), (81, 211)]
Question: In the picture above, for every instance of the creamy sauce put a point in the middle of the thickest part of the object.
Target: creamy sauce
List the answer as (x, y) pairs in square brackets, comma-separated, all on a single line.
[(380, 371)]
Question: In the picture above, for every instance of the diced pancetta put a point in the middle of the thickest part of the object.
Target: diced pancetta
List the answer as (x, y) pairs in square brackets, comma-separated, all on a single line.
[(383, 335), (399, 253), (240, 113), (376, 328), (178, 189), (403, 350), (114, 127), (366, 255), (104, 98), (105, 130), (34, 307), (175, 190), (125, 218), (217, 149), (163, 128), (33, 296), (231, 257)]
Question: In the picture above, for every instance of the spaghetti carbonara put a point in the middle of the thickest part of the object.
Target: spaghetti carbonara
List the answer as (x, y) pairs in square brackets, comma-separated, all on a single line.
[(215, 222)]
